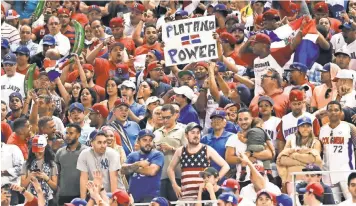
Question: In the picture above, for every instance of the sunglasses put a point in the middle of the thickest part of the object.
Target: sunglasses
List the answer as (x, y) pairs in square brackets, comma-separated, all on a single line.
[(327, 93)]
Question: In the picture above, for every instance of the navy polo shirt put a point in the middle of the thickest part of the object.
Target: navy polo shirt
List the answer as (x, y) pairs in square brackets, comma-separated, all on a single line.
[(132, 129), (142, 186), (188, 114), (217, 143)]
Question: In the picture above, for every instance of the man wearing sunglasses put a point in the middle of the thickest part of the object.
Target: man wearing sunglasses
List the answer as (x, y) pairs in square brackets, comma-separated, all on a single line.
[(311, 178), (11, 81)]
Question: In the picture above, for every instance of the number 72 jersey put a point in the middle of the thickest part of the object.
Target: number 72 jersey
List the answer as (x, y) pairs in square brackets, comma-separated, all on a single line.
[(338, 149)]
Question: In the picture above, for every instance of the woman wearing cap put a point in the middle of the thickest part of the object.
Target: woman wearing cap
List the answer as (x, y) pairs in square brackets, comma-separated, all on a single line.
[(40, 164), (151, 103), (302, 148), (111, 92)]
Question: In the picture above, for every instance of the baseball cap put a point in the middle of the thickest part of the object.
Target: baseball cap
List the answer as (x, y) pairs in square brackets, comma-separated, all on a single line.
[(184, 90), (138, 7), (15, 94), (259, 20), (63, 11), (161, 201), (185, 72), (227, 197), (311, 167), (12, 14), (209, 171), (93, 134), (244, 93), (344, 74), (315, 188), (321, 7), (76, 105), (270, 14), (77, 202), (220, 7), (157, 54), (230, 184), (268, 194), (238, 26), (112, 46), (121, 101), (5, 43), (151, 66), (218, 113), (128, 84), (298, 66), (94, 8), (262, 38), (145, 132), (181, 13), (23, 50), (296, 95), (121, 197), (222, 67), (10, 58), (100, 109), (203, 64), (266, 98), (232, 105), (284, 200), (153, 99), (228, 38), (233, 17), (192, 126), (304, 120), (293, 9), (49, 40), (39, 143), (343, 50), (326, 68), (116, 22), (346, 25), (88, 67)]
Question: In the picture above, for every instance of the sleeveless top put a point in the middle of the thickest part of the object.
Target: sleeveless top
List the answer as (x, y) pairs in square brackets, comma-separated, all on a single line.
[(192, 165)]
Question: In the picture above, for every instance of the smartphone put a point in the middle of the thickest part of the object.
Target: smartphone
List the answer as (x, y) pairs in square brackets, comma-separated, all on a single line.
[(35, 170)]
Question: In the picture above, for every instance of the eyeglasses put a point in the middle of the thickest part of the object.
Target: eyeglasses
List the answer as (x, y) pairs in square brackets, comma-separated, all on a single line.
[(158, 69), (166, 117)]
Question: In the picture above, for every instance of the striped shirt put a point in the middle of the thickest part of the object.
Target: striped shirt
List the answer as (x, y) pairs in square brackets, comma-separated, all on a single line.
[(192, 165), (9, 32), (69, 32)]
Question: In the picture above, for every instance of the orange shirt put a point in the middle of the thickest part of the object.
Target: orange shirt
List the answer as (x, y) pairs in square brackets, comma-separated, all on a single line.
[(22, 144), (281, 104), (238, 61), (104, 69), (144, 49), (5, 131), (318, 99), (24, 72), (100, 91), (128, 43)]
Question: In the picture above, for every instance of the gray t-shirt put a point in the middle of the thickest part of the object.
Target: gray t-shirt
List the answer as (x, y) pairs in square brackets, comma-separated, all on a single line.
[(257, 136), (89, 162)]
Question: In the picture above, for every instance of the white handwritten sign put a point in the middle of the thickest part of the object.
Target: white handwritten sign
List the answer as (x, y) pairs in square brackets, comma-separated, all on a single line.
[(189, 40)]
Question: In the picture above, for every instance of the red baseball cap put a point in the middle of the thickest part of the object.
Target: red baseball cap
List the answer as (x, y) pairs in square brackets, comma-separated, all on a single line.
[(101, 109), (138, 7), (116, 22), (296, 95), (12, 14), (270, 14), (203, 64), (262, 38), (268, 194), (316, 188), (63, 10), (321, 7), (227, 37), (39, 143), (120, 101), (88, 67), (230, 184), (121, 197), (293, 9), (259, 168), (259, 20), (151, 66)]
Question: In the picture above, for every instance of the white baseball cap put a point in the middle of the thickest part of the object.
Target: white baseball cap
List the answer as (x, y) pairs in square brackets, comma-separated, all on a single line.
[(153, 99), (186, 91), (128, 83), (344, 74), (39, 143), (343, 50)]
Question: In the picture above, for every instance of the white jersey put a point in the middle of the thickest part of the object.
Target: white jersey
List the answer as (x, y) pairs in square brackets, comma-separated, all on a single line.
[(289, 123), (352, 49), (338, 42), (270, 126), (338, 150), (249, 193), (10, 85), (260, 67), (349, 100)]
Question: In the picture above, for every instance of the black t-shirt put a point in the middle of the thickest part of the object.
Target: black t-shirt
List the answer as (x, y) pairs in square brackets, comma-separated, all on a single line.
[(206, 196), (325, 56)]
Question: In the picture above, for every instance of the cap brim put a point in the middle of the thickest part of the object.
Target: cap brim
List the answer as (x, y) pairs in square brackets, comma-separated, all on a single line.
[(38, 149), (9, 62), (182, 73), (227, 189), (322, 70), (337, 53), (223, 117), (302, 190), (48, 44), (346, 27)]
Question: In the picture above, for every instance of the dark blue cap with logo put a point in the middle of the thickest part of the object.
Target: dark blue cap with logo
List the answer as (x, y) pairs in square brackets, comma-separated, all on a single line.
[(5, 43), (228, 197), (311, 167), (23, 50), (9, 58), (15, 94), (220, 7), (298, 66), (76, 105), (218, 113), (181, 13), (326, 68), (284, 200), (161, 201), (244, 93), (49, 40), (222, 67), (304, 120), (346, 25), (157, 53), (145, 132)]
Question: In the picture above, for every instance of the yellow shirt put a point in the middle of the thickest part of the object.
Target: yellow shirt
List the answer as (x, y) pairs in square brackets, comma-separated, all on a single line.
[(246, 11)]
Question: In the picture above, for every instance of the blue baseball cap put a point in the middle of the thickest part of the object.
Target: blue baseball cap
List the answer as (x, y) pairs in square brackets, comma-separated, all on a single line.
[(77, 106), (9, 58), (298, 66), (346, 25), (49, 40), (92, 136), (222, 67), (181, 13), (326, 68), (218, 113), (304, 120), (15, 94), (5, 43), (228, 197), (244, 93), (77, 202), (284, 200), (23, 50), (311, 167), (145, 132), (157, 53), (220, 7), (161, 201)]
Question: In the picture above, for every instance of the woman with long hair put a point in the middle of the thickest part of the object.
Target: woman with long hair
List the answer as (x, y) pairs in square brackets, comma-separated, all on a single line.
[(88, 98), (151, 104), (40, 164), (302, 148), (146, 89), (111, 92)]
